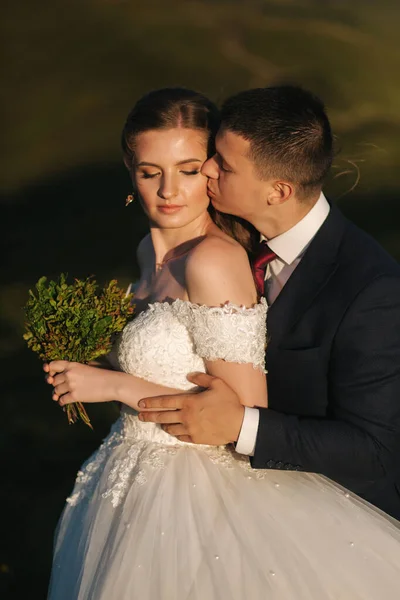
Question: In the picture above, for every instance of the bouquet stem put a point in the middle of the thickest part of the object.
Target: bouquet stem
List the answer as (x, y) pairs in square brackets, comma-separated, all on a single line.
[(76, 410)]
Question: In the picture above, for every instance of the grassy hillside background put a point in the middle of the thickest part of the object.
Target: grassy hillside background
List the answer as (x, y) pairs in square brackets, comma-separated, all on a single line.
[(73, 70)]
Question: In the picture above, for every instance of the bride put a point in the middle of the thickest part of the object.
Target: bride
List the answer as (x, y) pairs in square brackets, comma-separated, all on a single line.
[(157, 518)]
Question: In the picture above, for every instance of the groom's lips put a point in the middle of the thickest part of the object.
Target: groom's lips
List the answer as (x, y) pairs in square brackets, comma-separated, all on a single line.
[(210, 192)]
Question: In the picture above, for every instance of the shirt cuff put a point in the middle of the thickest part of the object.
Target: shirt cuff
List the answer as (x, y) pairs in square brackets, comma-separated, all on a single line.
[(248, 434)]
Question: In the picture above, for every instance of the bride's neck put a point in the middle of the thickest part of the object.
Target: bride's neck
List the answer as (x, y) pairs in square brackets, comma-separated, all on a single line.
[(166, 241)]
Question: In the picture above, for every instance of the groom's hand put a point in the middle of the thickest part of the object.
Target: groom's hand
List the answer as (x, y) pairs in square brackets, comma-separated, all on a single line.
[(213, 416)]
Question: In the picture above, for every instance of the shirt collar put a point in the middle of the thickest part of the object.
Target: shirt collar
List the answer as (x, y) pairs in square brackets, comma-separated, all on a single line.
[(292, 243)]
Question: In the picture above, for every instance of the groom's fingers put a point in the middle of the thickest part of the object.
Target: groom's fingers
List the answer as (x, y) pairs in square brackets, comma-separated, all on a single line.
[(185, 438), (203, 380), (169, 416), (178, 430), (163, 402)]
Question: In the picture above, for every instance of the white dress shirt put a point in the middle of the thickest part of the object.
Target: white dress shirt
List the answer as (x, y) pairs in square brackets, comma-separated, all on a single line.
[(289, 248)]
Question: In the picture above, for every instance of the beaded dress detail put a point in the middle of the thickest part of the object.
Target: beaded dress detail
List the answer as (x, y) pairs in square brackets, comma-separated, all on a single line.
[(153, 518)]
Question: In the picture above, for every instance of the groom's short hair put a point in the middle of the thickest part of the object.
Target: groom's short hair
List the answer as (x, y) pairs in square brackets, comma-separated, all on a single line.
[(288, 130)]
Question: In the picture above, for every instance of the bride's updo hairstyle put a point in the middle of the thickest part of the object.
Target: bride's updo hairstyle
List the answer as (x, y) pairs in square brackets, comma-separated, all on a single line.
[(169, 108)]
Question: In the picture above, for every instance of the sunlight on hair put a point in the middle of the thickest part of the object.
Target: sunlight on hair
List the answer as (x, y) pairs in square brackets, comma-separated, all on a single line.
[(355, 171), (367, 157)]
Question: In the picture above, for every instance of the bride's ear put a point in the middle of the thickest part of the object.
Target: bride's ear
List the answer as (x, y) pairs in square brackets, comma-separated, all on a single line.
[(281, 192)]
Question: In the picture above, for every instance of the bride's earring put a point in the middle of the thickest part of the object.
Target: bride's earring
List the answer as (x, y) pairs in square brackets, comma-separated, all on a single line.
[(130, 198)]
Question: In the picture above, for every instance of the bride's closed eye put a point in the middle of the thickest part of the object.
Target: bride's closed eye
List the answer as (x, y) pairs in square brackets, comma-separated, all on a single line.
[(194, 172), (152, 175), (149, 175)]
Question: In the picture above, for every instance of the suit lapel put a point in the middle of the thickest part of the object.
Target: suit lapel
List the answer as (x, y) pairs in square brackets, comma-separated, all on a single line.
[(308, 279)]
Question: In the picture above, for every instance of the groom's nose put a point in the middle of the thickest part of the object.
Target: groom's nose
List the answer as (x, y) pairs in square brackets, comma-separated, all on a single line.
[(210, 168)]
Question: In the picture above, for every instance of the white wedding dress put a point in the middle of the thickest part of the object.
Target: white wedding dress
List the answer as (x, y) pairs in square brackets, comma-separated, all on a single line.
[(152, 518)]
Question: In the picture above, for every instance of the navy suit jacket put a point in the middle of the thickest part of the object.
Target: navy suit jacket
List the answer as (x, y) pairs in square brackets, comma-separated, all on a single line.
[(333, 360)]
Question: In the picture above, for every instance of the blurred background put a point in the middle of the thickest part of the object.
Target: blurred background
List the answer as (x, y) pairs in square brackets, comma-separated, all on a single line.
[(72, 72)]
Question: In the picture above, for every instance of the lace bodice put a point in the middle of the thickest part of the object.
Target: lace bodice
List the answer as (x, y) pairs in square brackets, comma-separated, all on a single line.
[(163, 344), (168, 341)]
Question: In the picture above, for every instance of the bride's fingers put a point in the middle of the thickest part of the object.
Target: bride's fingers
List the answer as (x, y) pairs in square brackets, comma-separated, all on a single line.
[(61, 389), (58, 379), (57, 366), (66, 399)]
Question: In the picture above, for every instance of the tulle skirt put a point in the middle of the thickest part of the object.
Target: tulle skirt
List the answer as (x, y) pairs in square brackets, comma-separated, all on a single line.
[(151, 518)]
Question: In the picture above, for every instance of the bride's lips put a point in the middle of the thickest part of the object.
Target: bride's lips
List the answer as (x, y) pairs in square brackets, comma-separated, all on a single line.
[(169, 209)]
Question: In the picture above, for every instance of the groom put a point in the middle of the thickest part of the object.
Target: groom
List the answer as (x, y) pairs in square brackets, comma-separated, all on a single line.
[(333, 355)]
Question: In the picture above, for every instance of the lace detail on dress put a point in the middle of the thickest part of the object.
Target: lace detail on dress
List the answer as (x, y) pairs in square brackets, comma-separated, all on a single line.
[(88, 477), (144, 448), (168, 341), (163, 344), (158, 347), (230, 332)]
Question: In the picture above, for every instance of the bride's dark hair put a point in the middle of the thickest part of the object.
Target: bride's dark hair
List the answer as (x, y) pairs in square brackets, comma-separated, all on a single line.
[(179, 107)]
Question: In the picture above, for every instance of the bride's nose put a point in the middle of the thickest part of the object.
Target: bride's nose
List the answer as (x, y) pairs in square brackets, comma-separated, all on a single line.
[(168, 188)]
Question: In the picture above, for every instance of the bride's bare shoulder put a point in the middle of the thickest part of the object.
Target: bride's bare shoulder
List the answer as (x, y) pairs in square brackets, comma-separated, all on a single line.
[(218, 270), (219, 250)]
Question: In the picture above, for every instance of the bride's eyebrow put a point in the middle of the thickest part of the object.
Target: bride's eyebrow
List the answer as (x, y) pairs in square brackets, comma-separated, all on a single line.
[(181, 162), (188, 160)]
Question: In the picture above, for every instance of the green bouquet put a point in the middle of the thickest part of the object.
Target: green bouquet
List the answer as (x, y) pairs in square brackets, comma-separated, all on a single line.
[(75, 322)]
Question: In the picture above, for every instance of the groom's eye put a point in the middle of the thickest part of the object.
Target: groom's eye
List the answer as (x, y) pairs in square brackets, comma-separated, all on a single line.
[(221, 163)]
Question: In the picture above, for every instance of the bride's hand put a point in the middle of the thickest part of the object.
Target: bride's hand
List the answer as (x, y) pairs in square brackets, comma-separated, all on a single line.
[(74, 382)]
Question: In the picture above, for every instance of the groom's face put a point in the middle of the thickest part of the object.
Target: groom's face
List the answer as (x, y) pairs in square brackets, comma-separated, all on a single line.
[(234, 187)]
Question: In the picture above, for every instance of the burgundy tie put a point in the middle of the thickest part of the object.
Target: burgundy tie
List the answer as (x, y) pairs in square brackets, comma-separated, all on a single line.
[(259, 264)]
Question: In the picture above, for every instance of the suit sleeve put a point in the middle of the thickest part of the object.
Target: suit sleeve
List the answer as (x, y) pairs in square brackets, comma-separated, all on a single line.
[(360, 439)]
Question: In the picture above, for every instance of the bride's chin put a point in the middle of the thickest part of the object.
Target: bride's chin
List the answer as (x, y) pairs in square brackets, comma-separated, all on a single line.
[(177, 220), (169, 223)]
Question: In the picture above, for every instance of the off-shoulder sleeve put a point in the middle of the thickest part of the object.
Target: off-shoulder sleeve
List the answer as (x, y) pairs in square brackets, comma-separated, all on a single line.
[(230, 332)]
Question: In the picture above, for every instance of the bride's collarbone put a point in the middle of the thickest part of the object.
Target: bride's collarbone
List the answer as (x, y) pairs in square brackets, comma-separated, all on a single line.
[(162, 295), (166, 285)]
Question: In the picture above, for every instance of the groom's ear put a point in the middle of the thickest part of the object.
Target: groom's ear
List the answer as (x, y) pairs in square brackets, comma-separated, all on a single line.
[(281, 192)]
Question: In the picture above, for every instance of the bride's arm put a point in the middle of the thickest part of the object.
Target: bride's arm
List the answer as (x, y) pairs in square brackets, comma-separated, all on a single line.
[(75, 382), (218, 271), (129, 389)]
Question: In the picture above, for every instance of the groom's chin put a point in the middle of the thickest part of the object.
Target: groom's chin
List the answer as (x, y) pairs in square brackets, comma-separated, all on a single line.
[(220, 207), (216, 204)]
